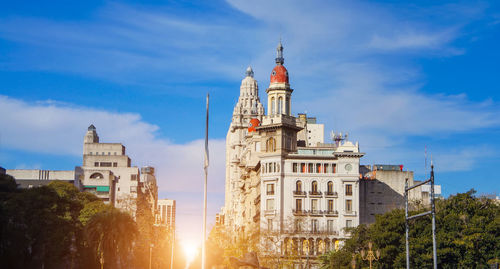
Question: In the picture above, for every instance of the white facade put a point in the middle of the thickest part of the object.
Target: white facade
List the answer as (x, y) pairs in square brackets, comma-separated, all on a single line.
[(30, 178), (166, 213), (279, 168), (247, 107), (107, 172), (315, 134)]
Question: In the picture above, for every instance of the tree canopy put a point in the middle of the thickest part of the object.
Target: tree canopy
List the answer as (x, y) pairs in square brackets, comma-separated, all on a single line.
[(467, 235)]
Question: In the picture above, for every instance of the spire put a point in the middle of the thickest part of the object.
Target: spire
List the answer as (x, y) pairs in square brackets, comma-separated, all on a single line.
[(249, 72), (279, 54)]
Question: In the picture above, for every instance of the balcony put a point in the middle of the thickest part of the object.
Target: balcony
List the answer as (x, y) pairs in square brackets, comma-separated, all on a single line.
[(299, 193), (299, 212), (316, 213), (315, 193), (350, 213), (331, 213), (331, 194)]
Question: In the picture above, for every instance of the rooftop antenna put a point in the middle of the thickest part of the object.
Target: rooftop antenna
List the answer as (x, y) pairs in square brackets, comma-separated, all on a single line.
[(337, 137)]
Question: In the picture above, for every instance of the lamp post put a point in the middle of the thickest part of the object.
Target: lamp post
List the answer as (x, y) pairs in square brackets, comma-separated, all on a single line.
[(150, 253), (369, 255)]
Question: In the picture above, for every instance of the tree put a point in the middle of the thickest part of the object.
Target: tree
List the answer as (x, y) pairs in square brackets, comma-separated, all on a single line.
[(111, 234), (36, 230), (467, 233)]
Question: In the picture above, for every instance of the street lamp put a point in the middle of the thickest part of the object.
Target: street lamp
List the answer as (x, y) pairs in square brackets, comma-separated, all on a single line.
[(369, 255), (150, 253)]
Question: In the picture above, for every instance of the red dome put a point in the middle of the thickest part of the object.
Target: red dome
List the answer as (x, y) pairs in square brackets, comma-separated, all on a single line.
[(253, 123), (279, 74)]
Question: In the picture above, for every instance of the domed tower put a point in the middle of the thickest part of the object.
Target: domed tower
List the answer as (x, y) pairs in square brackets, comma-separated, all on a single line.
[(246, 109), (279, 91)]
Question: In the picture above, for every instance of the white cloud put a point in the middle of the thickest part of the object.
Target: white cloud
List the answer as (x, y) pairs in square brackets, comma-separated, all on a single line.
[(54, 128)]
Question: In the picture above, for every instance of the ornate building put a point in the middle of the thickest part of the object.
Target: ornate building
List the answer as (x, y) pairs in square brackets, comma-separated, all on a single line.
[(302, 192)]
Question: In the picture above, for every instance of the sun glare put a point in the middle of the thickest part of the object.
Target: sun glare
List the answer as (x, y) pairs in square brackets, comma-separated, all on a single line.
[(190, 250)]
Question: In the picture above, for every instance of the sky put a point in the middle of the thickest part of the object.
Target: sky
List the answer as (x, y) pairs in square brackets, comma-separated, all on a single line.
[(399, 77)]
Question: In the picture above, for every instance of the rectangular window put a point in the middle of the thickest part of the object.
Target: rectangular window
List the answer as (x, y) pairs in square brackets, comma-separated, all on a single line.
[(314, 225), (318, 168), (90, 153), (334, 168), (96, 164), (302, 167), (109, 153), (294, 167), (348, 205), (269, 224), (314, 205), (133, 177), (270, 189), (329, 225), (325, 168), (270, 204), (310, 168), (298, 205), (348, 190), (348, 223), (115, 152), (115, 164), (105, 164), (133, 188), (330, 205)]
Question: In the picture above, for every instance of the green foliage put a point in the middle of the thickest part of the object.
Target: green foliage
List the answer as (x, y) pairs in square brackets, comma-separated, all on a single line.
[(110, 234), (467, 235), (57, 226)]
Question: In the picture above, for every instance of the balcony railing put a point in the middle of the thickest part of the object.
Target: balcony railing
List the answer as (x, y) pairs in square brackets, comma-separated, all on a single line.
[(299, 212), (303, 193), (331, 193), (331, 213), (350, 213), (315, 193), (316, 212)]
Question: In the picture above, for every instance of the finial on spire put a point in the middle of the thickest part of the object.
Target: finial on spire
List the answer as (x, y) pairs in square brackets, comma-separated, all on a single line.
[(279, 55), (249, 72)]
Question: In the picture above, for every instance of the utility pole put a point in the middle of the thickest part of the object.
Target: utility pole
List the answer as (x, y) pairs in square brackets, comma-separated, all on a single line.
[(432, 212)]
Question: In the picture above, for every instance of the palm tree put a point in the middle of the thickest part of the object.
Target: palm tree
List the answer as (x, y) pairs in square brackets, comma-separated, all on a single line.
[(111, 235)]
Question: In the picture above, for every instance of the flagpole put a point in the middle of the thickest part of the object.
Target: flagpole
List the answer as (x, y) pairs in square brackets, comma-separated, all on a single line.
[(203, 247)]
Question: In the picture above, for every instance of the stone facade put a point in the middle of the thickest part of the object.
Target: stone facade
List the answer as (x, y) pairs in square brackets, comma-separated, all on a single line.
[(280, 176), (107, 172), (30, 178)]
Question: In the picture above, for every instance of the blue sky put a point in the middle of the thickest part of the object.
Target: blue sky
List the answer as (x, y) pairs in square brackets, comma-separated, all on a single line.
[(397, 76)]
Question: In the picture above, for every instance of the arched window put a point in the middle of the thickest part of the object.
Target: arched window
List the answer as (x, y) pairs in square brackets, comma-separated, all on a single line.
[(271, 145), (330, 187), (280, 105), (314, 187), (298, 186), (96, 176), (273, 106)]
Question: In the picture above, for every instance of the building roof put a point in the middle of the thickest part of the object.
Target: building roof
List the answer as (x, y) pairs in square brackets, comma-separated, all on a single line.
[(279, 74)]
